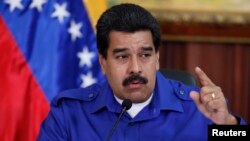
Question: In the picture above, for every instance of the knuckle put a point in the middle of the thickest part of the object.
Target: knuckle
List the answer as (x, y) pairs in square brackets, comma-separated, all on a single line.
[(218, 89), (204, 90)]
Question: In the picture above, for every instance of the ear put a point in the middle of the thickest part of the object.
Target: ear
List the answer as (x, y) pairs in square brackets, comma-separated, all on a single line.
[(157, 60), (103, 63)]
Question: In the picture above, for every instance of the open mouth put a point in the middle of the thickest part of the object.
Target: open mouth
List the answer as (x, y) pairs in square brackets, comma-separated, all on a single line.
[(135, 84)]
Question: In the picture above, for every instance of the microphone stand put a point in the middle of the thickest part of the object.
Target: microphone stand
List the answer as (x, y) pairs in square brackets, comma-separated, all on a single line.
[(126, 104), (115, 125)]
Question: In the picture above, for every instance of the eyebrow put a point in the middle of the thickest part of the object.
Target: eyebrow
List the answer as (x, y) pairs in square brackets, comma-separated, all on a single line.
[(147, 48), (117, 50)]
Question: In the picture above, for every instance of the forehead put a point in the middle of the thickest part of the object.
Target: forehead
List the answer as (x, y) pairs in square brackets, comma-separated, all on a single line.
[(130, 41)]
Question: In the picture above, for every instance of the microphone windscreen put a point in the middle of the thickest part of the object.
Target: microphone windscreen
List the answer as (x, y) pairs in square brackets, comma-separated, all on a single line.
[(127, 103)]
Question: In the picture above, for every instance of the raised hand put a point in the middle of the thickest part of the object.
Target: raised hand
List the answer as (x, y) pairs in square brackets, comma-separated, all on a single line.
[(211, 100)]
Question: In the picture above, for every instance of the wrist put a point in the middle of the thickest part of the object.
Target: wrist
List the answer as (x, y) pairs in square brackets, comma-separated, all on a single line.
[(231, 120)]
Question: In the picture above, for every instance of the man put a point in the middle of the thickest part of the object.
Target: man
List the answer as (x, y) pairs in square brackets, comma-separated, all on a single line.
[(128, 39)]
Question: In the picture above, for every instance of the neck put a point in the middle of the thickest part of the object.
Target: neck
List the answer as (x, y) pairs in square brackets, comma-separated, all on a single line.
[(136, 107)]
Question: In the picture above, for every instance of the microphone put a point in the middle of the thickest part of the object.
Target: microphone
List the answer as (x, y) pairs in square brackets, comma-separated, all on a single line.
[(126, 104)]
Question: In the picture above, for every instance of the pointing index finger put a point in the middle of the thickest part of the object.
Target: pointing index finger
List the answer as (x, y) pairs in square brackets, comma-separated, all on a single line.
[(203, 78)]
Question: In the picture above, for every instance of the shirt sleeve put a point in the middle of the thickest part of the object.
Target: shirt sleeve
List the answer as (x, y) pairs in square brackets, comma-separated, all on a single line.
[(240, 120), (53, 127)]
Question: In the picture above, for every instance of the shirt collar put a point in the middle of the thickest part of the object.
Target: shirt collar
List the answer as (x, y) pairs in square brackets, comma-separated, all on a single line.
[(164, 97), (105, 99), (136, 107)]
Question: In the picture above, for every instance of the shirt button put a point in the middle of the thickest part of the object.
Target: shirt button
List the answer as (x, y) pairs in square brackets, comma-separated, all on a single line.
[(182, 92), (131, 123), (91, 95)]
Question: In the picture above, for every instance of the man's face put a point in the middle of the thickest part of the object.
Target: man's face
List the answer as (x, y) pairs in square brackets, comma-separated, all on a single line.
[(131, 65)]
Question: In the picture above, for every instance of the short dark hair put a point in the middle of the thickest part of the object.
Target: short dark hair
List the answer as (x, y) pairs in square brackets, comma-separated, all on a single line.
[(127, 18)]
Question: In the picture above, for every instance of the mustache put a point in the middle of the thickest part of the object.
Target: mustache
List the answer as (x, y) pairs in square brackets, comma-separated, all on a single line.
[(134, 77)]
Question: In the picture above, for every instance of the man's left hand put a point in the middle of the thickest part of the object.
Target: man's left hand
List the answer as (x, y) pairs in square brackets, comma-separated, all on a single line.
[(211, 100)]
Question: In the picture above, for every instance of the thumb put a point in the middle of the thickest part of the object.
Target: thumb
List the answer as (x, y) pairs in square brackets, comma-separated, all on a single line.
[(196, 97)]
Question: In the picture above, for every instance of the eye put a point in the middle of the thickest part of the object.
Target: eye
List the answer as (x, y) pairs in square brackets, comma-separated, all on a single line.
[(121, 57), (145, 55)]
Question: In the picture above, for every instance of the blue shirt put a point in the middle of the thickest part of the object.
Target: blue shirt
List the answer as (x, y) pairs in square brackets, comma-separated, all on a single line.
[(89, 114)]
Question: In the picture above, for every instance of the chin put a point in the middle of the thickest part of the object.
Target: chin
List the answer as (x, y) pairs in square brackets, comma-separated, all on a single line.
[(139, 98)]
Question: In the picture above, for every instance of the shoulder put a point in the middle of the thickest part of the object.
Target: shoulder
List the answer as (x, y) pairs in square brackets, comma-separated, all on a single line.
[(80, 94), (182, 90), (179, 89)]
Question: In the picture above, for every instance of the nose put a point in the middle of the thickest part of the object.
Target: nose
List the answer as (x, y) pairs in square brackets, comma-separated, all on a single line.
[(134, 65)]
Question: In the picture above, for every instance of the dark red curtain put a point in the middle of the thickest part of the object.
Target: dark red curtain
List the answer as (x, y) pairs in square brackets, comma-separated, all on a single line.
[(227, 64)]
